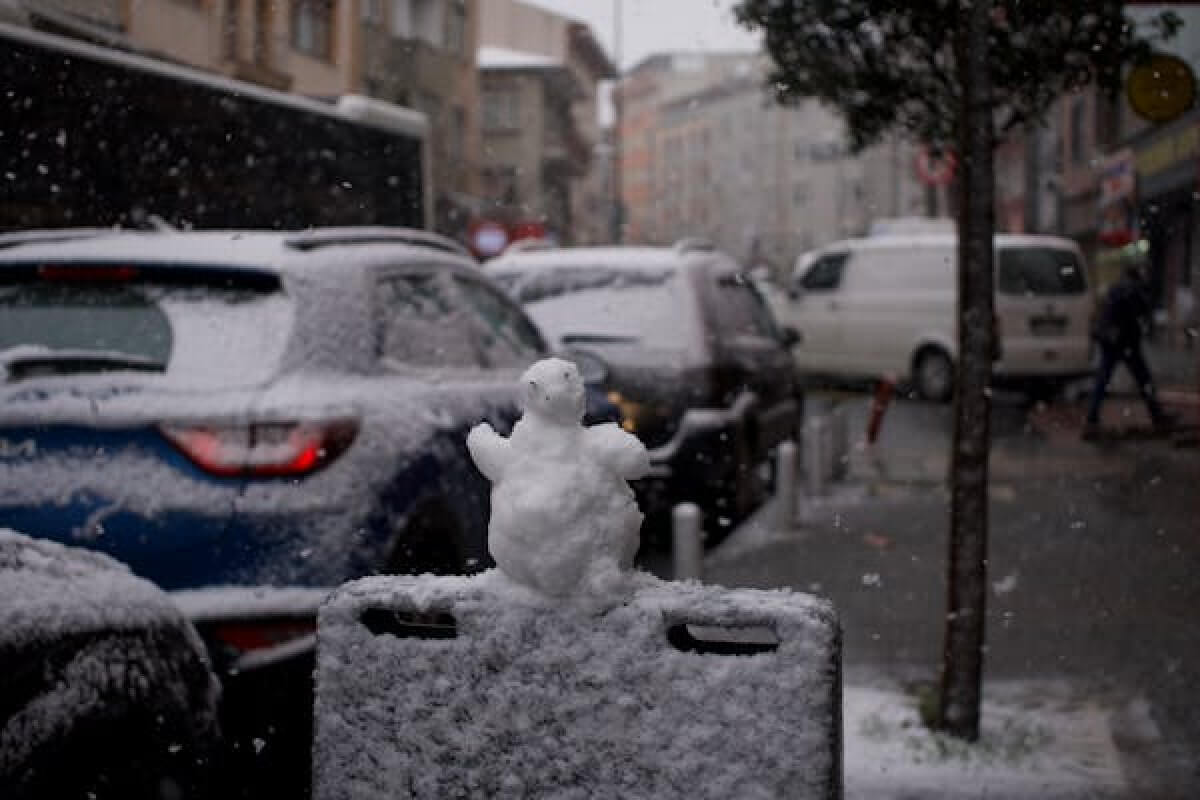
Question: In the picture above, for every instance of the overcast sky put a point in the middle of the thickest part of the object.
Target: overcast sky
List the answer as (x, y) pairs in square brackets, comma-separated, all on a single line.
[(652, 26)]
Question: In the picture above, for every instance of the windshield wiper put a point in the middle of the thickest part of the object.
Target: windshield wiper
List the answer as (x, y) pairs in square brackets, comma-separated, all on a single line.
[(22, 364)]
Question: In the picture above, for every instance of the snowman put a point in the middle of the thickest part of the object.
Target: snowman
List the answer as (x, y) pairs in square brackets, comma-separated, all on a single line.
[(564, 520)]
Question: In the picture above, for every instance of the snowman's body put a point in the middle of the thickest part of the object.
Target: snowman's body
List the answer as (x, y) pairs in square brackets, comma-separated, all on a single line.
[(563, 517)]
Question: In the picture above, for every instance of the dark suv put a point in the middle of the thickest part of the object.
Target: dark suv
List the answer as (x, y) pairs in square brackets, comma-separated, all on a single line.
[(688, 350)]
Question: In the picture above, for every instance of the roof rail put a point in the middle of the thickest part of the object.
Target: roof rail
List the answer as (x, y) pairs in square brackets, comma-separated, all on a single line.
[(331, 237), (528, 245), (51, 236), (694, 244)]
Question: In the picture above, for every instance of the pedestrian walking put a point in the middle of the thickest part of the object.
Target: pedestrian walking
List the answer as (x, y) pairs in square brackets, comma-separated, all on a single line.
[(1123, 313)]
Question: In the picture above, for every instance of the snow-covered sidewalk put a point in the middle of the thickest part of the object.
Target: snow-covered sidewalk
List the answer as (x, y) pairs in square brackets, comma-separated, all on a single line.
[(1042, 737), (1037, 741)]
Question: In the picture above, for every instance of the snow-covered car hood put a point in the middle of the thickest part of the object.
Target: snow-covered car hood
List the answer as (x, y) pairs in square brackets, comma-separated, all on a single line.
[(51, 591)]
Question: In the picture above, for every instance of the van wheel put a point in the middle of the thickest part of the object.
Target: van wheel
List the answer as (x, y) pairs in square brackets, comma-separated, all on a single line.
[(933, 375)]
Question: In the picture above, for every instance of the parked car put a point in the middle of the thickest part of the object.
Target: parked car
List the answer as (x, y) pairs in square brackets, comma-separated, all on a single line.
[(253, 408), (687, 349), (107, 691), (886, 305)]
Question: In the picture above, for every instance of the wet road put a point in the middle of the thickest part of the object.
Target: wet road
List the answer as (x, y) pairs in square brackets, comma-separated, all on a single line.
[(1094, 568)]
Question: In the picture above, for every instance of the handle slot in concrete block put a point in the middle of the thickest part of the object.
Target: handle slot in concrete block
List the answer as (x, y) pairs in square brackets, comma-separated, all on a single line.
[(722, 640), (410, 624)]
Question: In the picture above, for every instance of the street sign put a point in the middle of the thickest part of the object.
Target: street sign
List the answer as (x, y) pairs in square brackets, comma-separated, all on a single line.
[(488, 238), (1161, 88)]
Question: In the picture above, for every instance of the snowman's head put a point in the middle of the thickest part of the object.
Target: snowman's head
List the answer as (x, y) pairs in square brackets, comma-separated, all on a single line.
[(553, 389)]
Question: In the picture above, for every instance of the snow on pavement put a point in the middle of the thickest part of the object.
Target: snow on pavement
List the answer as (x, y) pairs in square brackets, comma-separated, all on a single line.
[(1036, 741)]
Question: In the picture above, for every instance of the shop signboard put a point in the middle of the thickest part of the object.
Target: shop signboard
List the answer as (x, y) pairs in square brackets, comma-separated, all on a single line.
[(1166, 161), (1118, 205)]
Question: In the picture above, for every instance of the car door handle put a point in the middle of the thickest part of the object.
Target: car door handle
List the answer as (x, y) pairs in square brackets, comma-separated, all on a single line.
[(834, 305)]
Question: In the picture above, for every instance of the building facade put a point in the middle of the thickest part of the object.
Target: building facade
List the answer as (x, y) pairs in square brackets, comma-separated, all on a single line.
[(421, 54), (534, 152), (720, 159), (515, 26), (643, 91)]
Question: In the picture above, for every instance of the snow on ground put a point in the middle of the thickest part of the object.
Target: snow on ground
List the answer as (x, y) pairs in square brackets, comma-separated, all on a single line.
[(1036, 741), (1039, 738)]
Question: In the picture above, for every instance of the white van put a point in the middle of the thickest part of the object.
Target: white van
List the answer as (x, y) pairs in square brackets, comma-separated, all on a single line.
[(886, 305)]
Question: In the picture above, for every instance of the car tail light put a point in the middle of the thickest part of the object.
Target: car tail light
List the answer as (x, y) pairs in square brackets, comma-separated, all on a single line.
[(72, 273), (244, 637), (270, 449), (653, 420)]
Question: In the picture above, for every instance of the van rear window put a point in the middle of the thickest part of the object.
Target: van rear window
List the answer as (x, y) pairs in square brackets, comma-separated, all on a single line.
[(1039, 271)]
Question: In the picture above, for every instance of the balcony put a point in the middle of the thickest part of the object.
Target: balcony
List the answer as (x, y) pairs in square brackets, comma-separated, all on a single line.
[(263, 66), (400, 68), (563, 149)]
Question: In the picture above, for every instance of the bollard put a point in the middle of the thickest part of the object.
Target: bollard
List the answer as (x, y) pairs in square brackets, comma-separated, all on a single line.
[(879, 404), (829, 446), (815, 441), (840, 444), (686, 541), (785, 485)]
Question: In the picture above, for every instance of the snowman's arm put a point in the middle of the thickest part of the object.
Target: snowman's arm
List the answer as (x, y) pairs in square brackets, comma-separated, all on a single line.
[(489, 451), (622, 452)]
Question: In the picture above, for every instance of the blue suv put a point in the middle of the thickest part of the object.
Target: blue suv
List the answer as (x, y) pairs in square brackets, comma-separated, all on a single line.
[(249, 418), (253, 408)]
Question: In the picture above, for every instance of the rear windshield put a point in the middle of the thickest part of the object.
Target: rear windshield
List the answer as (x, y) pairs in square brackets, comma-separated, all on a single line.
[(575, 304), (210, 334), (1039, 271)]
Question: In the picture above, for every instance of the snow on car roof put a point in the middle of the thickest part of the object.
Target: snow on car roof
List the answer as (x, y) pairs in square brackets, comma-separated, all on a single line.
[(631, 258), (240, 602), (251, 249), (889, 241)]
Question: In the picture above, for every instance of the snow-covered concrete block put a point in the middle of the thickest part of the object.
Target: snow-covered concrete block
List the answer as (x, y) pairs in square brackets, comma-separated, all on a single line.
[(448, 687)]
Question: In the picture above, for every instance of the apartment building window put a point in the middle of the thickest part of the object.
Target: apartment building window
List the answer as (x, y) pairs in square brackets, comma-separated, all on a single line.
[(458, 126), (262, 31), (800, 193), (312, 27), (501, 184), (427, 21), (230, 28), (372, 12), (501, 110), (431, 105), (402, 19), (456, 28)]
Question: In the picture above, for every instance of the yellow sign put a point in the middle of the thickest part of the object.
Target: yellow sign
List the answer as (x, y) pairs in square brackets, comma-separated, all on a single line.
[(1169, 151), (1161, 88)]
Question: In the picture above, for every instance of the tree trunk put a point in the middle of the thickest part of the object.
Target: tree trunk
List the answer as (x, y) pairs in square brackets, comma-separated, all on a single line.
[(962, 661)]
